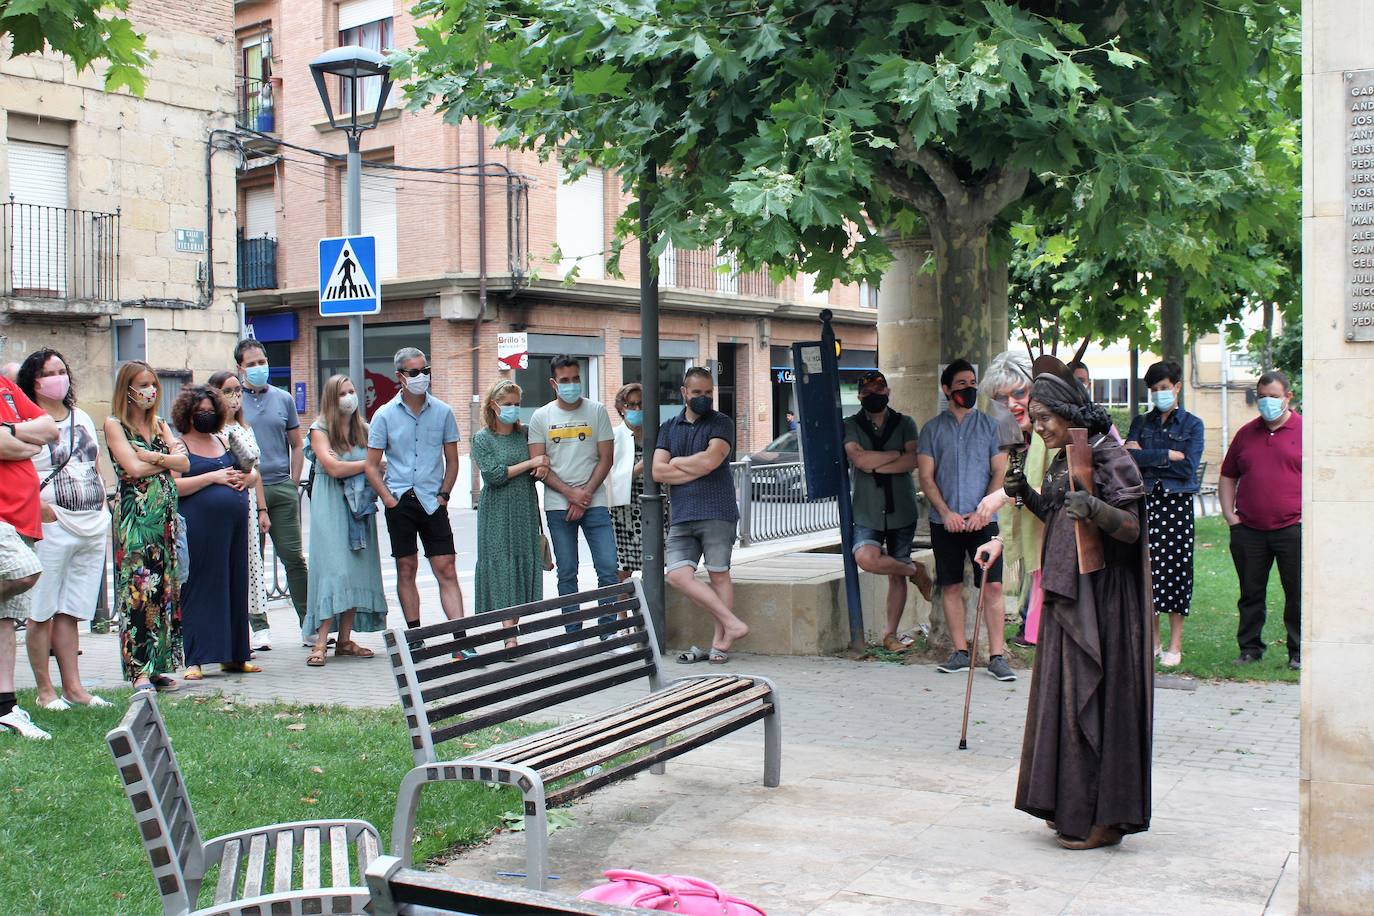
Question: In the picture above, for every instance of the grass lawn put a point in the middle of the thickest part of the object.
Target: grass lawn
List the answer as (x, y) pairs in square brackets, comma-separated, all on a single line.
[(68, 835)]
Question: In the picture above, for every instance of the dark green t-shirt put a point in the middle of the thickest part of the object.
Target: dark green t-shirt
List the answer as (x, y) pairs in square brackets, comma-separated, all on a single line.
[(870, 496)]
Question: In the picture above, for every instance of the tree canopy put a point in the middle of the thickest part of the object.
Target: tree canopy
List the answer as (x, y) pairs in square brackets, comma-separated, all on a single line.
[(80, 30)]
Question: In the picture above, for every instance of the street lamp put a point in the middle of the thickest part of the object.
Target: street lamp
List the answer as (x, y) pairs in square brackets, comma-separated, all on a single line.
[(352, 65)]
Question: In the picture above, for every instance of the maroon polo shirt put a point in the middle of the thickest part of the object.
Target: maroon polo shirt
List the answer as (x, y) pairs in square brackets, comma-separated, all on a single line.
[(1267, 465)]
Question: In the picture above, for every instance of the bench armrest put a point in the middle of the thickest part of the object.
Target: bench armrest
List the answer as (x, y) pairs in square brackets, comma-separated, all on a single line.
[(469, 769)]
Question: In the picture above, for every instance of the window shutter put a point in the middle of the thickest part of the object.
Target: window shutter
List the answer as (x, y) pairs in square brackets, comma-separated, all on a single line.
[(353, 13), (379, 219), (260, 212), (581, 220), (38, 173)]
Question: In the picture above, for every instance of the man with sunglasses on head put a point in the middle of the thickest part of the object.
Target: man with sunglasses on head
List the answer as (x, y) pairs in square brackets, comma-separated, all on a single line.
[(418, 436), (881, 446)]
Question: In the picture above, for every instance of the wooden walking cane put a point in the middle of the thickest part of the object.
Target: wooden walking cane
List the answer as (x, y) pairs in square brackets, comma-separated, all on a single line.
[(1087, 536), (972, 662)]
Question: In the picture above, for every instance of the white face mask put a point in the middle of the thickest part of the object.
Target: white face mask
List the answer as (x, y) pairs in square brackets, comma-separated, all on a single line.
[(417, 385), (348, 402)]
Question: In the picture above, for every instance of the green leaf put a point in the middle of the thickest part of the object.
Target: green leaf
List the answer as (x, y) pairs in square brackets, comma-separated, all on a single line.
[(1123, 59), (604, 80)]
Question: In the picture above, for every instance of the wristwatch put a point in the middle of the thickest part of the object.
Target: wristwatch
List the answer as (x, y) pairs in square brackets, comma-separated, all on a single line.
[(444, 494), (9, 426)]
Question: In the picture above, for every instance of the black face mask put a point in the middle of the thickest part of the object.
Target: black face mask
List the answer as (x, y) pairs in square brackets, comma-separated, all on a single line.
[(965, 397), (874, 403), (205, 421), (701, 405)]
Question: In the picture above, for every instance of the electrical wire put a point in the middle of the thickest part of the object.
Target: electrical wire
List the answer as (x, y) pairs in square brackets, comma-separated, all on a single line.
[(500, 170)]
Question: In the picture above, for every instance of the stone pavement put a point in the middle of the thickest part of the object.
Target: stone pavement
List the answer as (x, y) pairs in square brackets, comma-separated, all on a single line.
[(879, 812)]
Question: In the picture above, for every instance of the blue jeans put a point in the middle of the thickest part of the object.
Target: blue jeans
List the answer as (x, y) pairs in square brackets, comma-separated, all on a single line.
[(596, 528)]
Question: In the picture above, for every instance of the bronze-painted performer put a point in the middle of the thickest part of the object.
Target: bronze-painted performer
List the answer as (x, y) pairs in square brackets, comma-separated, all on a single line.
[(1085, 761)]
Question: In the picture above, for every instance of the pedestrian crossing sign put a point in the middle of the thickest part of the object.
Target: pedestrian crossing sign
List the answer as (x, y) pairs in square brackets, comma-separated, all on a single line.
[(348, 276)]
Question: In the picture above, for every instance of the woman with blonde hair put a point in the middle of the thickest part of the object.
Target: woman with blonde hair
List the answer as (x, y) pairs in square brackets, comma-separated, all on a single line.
[(147, 573), (510, 556), (345, 564)]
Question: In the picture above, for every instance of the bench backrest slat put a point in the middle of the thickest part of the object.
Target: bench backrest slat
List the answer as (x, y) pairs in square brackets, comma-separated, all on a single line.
[(443, 697), (162, 809)]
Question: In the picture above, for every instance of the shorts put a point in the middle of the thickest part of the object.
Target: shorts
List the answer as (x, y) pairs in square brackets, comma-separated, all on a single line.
[(82, 561), (951, 549), (408, 519), (689, 541), (895, 542), (17, 561)]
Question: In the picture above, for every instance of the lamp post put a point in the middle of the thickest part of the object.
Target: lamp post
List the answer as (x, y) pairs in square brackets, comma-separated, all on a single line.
[(352, 65)]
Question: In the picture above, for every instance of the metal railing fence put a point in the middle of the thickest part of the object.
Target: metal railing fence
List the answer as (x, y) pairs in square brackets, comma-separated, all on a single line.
[(258, 263), (58, 252), (773, 503)]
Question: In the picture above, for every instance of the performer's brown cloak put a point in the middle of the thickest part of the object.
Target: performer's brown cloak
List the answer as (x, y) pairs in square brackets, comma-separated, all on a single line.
[(1085, 759)]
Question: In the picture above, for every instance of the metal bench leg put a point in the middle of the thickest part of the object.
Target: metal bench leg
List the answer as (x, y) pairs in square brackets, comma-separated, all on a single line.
[(403, 823), (536, 838), (661, 767), (772, 742)]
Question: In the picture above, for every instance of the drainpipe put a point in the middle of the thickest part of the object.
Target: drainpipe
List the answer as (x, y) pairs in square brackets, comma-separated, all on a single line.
[(474, 351)]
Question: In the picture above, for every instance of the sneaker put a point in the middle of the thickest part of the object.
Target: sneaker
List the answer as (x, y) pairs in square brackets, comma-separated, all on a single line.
[(1246, 659), (18, 720), (958, 661), (1295, 663), (998, 668), (261, 641), (1020, 641)]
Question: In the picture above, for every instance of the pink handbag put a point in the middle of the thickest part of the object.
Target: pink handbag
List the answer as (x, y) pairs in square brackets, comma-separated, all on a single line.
[(668, 893)]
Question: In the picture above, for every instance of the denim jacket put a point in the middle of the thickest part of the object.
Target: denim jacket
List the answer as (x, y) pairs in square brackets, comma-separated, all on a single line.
[(1183, 433)]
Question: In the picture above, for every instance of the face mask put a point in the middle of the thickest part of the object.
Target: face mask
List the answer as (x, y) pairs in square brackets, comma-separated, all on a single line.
[(53, 387), (143, 397), (569, 392), (205, 421), (1164, 400), (509, 413), (701, 405), (634, 417), (417, 385), (874, 403), (1271, 408), (256, 375), (965, 397), (348, 403)]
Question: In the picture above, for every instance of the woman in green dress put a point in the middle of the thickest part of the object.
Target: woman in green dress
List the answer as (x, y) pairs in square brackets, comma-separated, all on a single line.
[(147, 585), (510, 556), (345, 565)]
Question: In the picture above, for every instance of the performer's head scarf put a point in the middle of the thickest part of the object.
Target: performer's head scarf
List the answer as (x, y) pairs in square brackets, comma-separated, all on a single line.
[(1068, 399)]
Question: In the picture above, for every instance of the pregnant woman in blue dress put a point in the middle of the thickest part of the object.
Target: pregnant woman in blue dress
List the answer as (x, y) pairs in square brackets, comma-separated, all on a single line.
[(214, 501)]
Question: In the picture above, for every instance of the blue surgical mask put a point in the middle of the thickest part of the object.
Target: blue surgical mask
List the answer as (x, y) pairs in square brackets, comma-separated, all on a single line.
[(1164, 400), (569, 392), (634, 417), (1271, 408), (256, 375), (509, 413)]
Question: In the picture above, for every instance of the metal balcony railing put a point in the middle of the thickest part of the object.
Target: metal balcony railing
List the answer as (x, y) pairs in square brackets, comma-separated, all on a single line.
[(258, 263), (58, 252), (257, 107), (706, 269)]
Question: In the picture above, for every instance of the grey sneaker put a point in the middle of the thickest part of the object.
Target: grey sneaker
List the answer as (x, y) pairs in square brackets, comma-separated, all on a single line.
[(998, 668), (958, 661)]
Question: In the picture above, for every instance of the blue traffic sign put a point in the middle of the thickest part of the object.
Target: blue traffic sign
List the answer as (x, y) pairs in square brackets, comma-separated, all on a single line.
[(348, 276)]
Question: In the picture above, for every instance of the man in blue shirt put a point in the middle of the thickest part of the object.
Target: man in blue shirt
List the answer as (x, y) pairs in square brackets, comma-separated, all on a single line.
[(692, 456), (417, 435), (961, 466)]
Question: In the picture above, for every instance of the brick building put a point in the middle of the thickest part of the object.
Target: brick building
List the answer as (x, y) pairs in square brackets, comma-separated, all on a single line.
[(118, 211), (430, 243)]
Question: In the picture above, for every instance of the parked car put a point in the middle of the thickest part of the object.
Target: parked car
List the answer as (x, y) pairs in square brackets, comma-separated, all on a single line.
[(775, 470)]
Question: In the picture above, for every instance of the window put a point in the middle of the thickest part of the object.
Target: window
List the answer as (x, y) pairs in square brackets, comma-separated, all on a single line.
[(368, 24), (670, 373), (1111, 392), (582, 223), (667, 267), (38, 186), (806, 285), (868, 295), (378, 217), (727, 279), (536, 390), (170, 382), (380, 343)]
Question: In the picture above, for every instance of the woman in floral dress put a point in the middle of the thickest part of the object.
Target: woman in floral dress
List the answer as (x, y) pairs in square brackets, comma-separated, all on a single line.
[(147, 590)]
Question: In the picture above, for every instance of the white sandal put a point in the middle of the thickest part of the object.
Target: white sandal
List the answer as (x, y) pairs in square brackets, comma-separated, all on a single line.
[(57, 704)]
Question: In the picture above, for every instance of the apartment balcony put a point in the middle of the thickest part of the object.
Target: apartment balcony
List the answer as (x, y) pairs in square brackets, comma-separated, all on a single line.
[(707, 270), (58, 262), (257, 111), (257, 263)]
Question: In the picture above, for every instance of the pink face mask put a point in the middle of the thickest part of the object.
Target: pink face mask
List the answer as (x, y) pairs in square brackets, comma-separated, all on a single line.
[(53, 387)]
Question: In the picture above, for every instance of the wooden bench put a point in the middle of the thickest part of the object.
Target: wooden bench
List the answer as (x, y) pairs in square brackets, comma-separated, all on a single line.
[(444, 699), (246, 886), (400, 891)]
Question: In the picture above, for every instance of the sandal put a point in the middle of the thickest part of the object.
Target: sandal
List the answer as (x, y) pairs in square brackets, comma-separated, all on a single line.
[(316, 658), (692, 656), (1099, 837), (894, 643), (512, 642), (145, 687), (351, 649), (193, 673), (164, 684), (718, 656), (240, 668)]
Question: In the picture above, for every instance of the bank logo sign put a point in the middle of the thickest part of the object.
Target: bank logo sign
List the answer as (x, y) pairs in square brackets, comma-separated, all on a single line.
[(348, 276)]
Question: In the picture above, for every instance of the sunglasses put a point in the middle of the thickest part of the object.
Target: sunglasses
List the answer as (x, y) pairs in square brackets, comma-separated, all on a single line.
[(412, 373), (1017, 393)]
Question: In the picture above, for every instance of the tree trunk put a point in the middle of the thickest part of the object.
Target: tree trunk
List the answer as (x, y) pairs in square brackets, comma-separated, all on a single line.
[(964, 285), (1171, 333), (1267, 353)]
